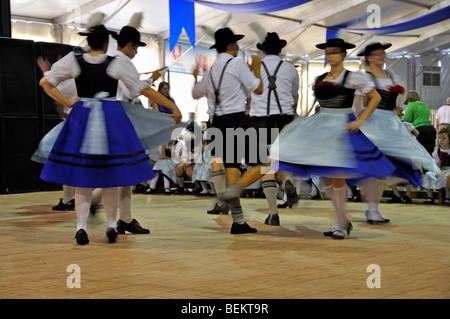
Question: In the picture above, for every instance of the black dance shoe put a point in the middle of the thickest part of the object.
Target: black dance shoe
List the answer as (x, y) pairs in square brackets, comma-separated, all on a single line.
[(407, 200), (112, 234), (395, 199), (429, 201), (219, 210), (291, 193), (134, 227), (273, 220), (139, 189), (82, 237), (339, 234), (242, 229), (282, 205), (61, 206)]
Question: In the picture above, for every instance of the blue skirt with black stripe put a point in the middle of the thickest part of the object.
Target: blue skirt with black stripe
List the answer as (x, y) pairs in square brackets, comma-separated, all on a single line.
[(125, 162), (321, 145)]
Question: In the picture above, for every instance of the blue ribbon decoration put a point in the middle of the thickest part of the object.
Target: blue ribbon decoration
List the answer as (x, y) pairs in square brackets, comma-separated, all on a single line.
[(182, 15), (258, 7)]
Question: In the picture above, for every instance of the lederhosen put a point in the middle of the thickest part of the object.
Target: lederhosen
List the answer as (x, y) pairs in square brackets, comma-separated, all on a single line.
[(231, 121), (270, 121)]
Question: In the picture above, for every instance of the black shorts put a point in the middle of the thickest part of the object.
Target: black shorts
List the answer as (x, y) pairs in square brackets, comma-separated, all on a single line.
[(244, 139), (233, 138)]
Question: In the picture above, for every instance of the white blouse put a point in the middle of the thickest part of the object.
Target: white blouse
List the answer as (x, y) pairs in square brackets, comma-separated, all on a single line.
[(121, 68)]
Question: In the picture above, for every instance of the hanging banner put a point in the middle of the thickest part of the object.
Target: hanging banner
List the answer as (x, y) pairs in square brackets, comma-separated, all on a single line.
[(181, 15)]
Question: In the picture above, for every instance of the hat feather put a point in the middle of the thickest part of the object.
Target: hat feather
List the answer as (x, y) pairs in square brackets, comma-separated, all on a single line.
[(96, 19), (136, 20), (259, 31)]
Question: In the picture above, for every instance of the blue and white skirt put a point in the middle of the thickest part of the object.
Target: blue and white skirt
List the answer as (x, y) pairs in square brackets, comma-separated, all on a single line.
[(202, 172), (321, 145), (167, 167), (100, 145), (395, 141)]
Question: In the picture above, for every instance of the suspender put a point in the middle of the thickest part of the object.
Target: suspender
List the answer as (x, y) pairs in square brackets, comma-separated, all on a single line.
[(272, 87), (216, 90)]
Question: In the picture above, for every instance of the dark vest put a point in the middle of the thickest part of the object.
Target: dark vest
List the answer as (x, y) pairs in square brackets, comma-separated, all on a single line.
[(330, 95), (388, 99), (93, 78), (444, 157)]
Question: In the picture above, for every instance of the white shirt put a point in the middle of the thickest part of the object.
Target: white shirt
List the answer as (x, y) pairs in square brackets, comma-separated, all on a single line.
[(121, 68), (443, 114), (287, 88), (238, 80)]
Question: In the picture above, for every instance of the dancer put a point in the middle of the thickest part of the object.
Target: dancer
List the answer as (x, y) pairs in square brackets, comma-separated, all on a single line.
[(338, 150), (91, 152), (404, 151), (270, 112), (227, 83)]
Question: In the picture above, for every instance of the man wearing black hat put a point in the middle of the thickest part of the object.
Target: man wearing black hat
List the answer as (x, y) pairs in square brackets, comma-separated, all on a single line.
[(272, 109), (226, 85), (275, 108)]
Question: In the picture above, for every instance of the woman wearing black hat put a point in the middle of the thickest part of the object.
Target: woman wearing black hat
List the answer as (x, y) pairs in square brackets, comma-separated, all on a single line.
[(394, 139), (98, 146), (332, 145)]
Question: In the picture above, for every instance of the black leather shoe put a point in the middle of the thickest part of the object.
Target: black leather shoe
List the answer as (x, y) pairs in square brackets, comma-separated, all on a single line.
[(242, 229), (149, 191), (429, 201), (284, 205), (273, 220), (291, 192), (219, 210), (82, 237), (139, 189), (112, 234), (134, 227), (407, 200), (61, 206), (395, 199)]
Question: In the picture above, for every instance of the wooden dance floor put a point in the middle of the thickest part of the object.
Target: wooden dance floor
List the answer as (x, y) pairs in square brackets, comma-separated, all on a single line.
[(192, 255)]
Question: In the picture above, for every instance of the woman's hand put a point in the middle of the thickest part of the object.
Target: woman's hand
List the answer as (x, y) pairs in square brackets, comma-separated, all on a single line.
[(354, 125)]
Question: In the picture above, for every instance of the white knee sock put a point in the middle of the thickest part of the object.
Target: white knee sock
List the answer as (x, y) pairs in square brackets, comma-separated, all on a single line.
[(83, 197), (372, 192), (110, 199), (96, 196), (125, 204), (339, 198), (154, 181), (166, 183)]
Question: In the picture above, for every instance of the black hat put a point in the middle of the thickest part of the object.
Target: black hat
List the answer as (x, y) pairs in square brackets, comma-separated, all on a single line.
[(225, 36), (373, 47), (336, 42), (272, 41), (130, 34), (97, 30)]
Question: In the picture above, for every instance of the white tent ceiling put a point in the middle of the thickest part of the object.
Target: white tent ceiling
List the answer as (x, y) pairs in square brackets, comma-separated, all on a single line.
[(302, 26)]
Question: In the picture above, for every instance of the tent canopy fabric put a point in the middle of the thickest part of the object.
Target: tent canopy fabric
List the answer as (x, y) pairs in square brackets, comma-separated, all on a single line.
[(302, 26)]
